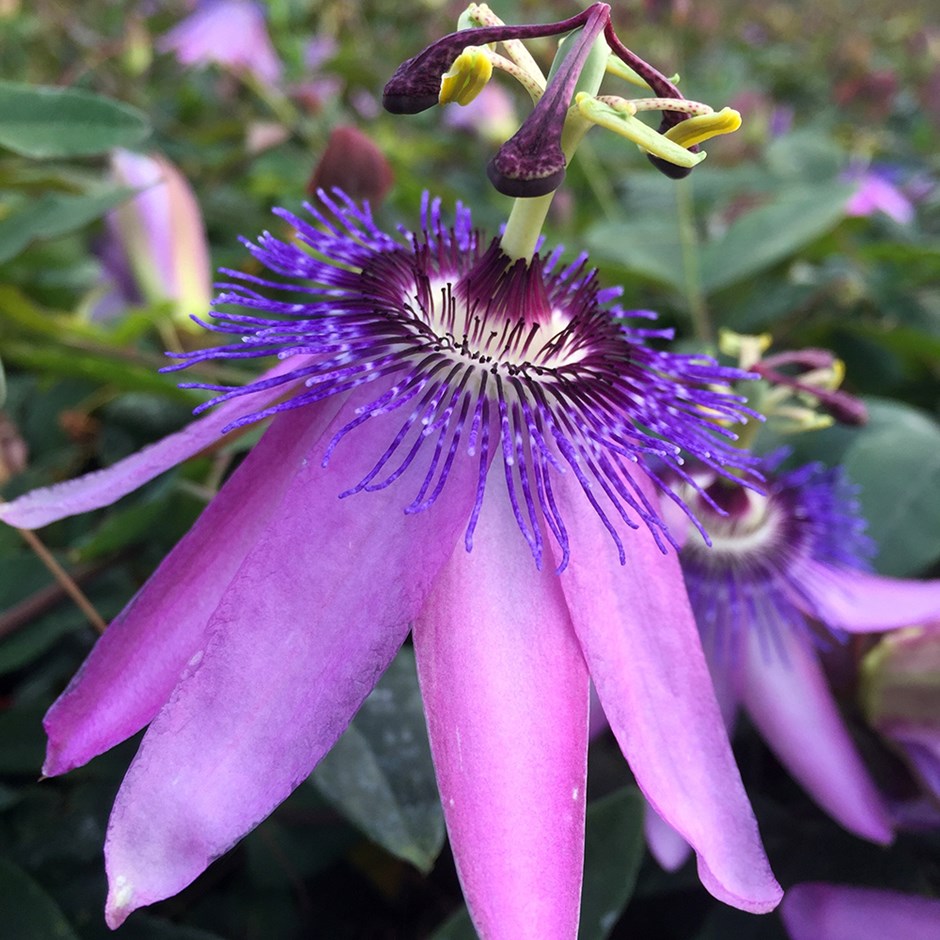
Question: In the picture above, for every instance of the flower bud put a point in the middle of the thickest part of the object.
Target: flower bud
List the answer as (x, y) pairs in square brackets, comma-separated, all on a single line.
[(901, 697), (160, 235)]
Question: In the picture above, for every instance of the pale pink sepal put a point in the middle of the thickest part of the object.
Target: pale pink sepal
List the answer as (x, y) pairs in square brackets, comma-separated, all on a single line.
[(817, 911), (859, 602), (133, 668), (787, 697), (103, 487), (645, 656), (506, 695), (310, 621), (664, 843)]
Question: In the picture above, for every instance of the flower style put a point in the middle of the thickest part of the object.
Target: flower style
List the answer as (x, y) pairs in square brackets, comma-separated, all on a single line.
[(231, 33), (532, 163), (451, 398), (817, 911), (156, 246), (778, 563)]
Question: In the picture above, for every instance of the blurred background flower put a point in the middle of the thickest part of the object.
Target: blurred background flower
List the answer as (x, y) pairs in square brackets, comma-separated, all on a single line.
[(154, 249), (786, 575), (876, 191), (229, 33)]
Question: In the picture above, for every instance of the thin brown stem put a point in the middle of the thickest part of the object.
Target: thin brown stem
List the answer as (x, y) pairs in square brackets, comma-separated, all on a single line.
[(65, 580)]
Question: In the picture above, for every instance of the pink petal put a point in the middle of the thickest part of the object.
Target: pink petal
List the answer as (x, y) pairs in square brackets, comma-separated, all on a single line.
[(506, 694), (860, 602), (788, 699), (315, 613), (103, 487), (836, 912), (168, 617), (645, 657)]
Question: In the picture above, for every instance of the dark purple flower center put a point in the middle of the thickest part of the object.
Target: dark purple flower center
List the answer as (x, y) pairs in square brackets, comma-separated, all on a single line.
[(475, 356)]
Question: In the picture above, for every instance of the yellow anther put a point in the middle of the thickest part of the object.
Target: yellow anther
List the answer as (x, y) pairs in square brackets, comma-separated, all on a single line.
[(702, 127), (467, 77), (794, 419), (747, 349), (834, 376), (618, 116)]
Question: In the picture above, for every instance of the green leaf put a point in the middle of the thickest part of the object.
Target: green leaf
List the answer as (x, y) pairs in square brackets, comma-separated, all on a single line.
[(379, 774), (97, 366), (772, 233), (42, 121), (805, 155), (54, 214), (124, 527), (23, 740), (613, 853), (28, 912), (147, 927), (648, 244), (896, 462), (457, 927), (34, 639)]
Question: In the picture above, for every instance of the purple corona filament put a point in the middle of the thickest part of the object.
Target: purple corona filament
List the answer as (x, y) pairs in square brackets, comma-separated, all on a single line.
[(475, 356)]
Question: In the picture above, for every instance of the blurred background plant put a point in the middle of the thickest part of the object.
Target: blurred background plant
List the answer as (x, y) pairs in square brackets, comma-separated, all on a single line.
[(139, 140)]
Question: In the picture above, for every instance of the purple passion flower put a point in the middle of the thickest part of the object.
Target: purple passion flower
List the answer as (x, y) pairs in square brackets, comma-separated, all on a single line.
[(817, 911), (778, 565), (432, 395)]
